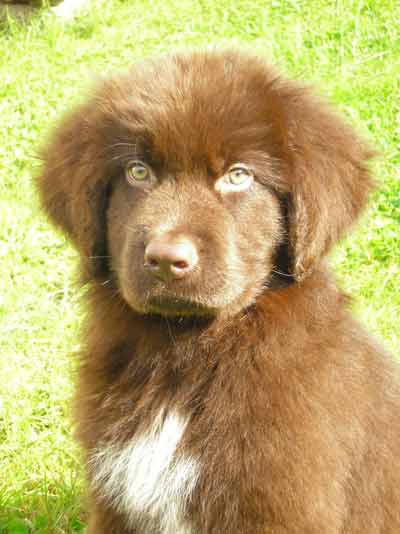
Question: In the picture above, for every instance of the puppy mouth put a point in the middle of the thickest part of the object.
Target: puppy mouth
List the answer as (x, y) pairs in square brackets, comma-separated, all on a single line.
[(177, 307)]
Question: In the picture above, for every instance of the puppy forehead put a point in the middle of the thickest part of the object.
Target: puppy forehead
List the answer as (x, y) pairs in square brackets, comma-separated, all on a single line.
[(195, 109)]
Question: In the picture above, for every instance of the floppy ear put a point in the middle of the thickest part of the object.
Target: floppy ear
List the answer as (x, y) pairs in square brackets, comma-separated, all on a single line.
[(73, 190), (329, 181)]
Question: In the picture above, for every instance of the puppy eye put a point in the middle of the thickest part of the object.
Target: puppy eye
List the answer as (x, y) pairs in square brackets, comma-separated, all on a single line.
[(239, 175), (137, 172), (238, 178)]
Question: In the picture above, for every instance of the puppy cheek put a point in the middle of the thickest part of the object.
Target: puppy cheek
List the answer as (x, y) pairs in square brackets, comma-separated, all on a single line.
[(258, 247), (250, 267), (131, 275), (121, 260)]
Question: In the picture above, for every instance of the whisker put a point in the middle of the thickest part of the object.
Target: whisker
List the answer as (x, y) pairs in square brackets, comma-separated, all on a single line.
[(137, 228), (130, 150), (171, 335), (115, 145), (281, 273)]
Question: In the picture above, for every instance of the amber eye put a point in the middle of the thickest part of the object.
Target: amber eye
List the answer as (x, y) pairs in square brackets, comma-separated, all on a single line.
[(137, 172), (238, 178), (239, 175)]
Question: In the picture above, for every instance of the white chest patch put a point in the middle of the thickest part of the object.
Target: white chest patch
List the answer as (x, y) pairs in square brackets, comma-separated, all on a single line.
[(146, 479)]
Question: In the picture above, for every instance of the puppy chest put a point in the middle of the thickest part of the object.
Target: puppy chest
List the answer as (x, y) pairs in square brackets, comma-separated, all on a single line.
[(148, 479)]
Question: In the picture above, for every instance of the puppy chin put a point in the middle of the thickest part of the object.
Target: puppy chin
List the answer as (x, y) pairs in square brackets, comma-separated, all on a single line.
[(176, 307), (165, 304), (168, 305)]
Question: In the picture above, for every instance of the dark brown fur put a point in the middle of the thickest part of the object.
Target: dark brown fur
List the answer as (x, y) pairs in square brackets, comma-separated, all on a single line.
[(293, 409)]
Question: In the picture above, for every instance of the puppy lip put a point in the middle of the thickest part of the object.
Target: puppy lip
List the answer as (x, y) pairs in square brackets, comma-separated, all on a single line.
[(175, 306)]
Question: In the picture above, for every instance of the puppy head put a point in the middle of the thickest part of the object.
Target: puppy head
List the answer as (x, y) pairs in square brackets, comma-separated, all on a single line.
[(193, 174)]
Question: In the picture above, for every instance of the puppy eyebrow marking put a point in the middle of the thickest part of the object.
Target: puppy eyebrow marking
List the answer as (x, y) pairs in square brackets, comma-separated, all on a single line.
[(124, 151), (147, 478)]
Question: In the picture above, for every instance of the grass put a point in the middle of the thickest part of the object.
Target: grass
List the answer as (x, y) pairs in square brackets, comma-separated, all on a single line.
[(350, 49)]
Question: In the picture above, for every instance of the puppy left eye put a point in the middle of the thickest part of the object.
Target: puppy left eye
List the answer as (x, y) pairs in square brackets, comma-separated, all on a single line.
[(238, 178)]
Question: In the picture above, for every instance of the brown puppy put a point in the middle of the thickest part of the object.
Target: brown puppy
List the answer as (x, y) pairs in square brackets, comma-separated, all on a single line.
[(224, 386)]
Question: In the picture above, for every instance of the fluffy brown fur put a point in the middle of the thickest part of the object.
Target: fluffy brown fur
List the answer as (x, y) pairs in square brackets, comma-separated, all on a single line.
[(291, 409)]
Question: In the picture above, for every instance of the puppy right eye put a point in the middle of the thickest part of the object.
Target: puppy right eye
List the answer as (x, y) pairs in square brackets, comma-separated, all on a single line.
[(137, 172), (239, 178)]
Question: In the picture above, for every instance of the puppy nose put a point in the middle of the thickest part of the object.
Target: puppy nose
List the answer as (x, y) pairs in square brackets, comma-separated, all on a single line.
[(170, 258)]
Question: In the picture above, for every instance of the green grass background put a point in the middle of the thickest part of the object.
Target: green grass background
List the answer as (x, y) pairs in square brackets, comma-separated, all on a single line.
[(349, 49)]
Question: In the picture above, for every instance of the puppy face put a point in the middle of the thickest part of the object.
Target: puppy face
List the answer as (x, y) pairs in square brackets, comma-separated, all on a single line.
[(192, 174), (179, 239)]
